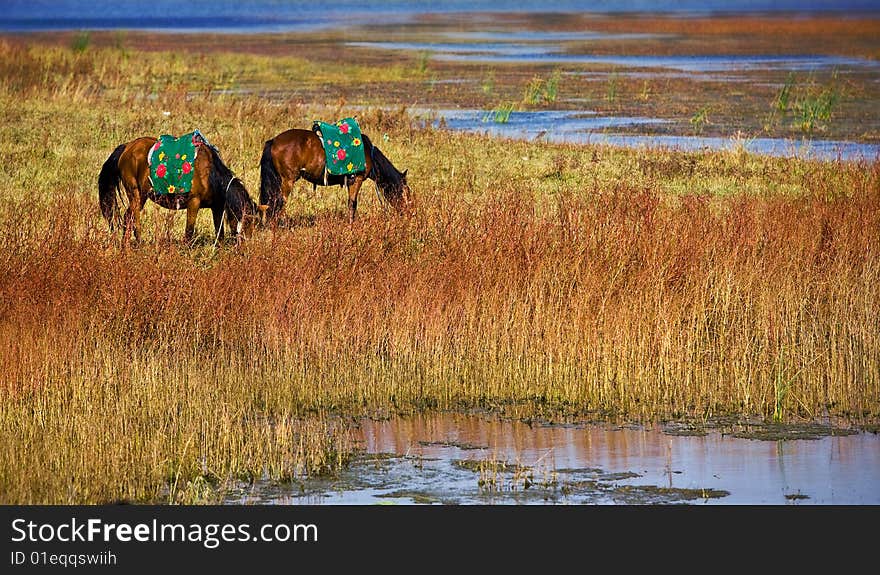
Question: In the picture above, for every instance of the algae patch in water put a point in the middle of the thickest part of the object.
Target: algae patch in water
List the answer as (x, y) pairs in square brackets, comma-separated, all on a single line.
[(763, 431), (654, 495), (618, 476), (480, 465), (783, 432), (796, 496), (418, 497), (595, 486), (459, 445), (685, 430)]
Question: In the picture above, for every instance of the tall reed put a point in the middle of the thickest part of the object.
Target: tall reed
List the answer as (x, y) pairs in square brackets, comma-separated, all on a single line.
[(537, 281)]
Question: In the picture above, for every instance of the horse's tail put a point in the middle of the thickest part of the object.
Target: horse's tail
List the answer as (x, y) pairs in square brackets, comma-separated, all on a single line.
[(108, 186), (270, 182)]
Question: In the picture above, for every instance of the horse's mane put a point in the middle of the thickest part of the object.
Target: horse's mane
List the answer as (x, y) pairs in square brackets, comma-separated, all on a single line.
[(387, 177), (223, 181)]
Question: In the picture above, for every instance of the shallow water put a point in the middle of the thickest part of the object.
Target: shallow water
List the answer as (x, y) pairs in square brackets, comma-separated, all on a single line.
[(529, 124), (458, 459), (597, 76), (552, 54), (587, 128), (702, 63), (547, 36), (258, 16)]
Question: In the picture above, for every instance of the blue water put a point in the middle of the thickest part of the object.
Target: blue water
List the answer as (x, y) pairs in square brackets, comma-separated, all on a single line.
[(547, 53), (589, 128), (294, 15), (598, 462), (488, 45), (804, 62)]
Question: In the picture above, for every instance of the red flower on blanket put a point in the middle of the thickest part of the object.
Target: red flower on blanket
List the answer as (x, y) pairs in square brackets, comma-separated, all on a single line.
[(161, 170), (340, 154), (187, 167), (343, 128)]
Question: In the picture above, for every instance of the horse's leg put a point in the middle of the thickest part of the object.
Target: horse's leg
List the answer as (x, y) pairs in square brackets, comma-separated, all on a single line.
[(136, 202), (353, 190), (127, 223), (192, 210), (287, 187), (129, 184)]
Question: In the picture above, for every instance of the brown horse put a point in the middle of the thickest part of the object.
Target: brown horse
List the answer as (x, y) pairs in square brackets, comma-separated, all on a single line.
[(296, 154), (213, 186)]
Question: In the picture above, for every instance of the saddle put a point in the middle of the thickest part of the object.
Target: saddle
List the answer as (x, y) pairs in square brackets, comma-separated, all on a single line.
[(343, 147), (172, 162)]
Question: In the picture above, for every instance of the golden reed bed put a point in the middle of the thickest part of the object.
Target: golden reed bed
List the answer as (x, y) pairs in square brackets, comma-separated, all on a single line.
[(534, 281)]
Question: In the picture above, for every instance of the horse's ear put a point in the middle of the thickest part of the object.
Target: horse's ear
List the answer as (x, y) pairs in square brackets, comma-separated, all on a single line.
[(404, 172)]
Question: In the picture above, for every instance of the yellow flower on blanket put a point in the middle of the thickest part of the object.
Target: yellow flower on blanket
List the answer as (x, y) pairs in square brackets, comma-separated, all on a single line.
[(343, 146), (173, 163)]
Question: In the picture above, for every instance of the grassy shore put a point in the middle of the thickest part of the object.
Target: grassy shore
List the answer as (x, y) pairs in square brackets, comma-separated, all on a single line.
[(535, 281)]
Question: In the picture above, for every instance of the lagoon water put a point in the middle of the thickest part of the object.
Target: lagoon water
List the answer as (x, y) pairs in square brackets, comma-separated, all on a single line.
[(468, 459), (489, 45), (582, 127), (551, 54), (293, 15)]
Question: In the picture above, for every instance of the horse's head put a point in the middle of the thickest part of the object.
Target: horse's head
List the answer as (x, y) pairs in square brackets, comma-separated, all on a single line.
[(245, 215), (404, 186), (399, 193), (254, 218), (390, 180)]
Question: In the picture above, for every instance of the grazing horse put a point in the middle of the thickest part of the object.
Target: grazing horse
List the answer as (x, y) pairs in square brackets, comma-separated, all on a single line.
[(296, 154), (213, 186)]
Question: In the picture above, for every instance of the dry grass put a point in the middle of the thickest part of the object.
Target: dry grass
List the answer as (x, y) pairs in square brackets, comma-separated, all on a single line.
[(533, 280)]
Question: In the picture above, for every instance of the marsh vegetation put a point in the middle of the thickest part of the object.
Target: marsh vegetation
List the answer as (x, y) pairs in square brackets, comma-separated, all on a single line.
[(531, 280)]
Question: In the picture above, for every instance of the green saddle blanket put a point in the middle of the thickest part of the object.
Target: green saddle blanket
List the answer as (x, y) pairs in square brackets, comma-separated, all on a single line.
[(343, 146), (172, 161)]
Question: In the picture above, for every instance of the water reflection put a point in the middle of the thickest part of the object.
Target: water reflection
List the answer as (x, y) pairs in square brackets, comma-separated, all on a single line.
[(454, 459)]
